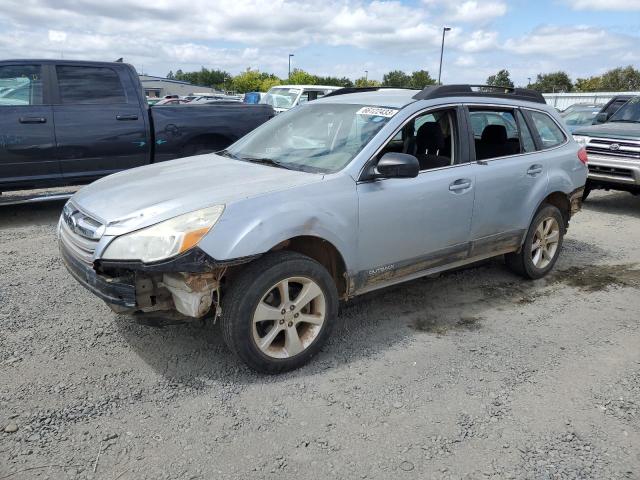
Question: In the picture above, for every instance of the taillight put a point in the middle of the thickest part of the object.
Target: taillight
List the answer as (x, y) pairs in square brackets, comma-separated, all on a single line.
[(582, 155)]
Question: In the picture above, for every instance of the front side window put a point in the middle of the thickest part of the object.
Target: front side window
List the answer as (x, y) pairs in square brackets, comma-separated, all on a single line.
[(550, 134), (89, 85), (496, 133), (430, 138), (318, 137), (21, 85)]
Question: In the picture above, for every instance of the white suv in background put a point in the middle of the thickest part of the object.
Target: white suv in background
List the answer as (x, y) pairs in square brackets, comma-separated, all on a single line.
[(284, 97)]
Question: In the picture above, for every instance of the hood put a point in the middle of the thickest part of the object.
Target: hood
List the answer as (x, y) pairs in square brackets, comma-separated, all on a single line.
[(620, 130), (146, 195)]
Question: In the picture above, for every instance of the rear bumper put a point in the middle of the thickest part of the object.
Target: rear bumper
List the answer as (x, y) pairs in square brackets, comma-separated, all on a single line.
[(607, 169), (109, 290)]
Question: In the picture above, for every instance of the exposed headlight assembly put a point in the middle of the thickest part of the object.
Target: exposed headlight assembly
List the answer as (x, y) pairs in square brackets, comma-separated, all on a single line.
[(166, 239), (581, 140)]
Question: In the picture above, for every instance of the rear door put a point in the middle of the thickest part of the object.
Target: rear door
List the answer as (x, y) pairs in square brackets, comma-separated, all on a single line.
[(27, 143), (510, 177), (101, 127)]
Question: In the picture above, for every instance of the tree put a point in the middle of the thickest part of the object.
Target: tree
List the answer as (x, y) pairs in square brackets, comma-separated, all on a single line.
[(269, 81), (421, 79), (396, 78), (363, 82), (591, 84), (247, 81), (621, 80), (170, 75), (500, 79), (300, 77), (555, 82), (334, 81)]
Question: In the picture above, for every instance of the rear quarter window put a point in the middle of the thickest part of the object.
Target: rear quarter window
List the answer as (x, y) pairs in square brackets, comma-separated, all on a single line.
[(550, 133)]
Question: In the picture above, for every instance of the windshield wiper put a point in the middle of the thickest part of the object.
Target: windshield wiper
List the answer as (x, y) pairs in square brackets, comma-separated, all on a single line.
[(265, 161)]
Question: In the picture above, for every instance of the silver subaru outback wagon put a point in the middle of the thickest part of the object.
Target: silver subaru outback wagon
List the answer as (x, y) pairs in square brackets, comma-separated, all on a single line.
[(335, 198)]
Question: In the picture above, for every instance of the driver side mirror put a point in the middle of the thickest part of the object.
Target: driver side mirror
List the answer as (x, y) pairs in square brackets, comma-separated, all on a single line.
[(397, 165), (601, 118)]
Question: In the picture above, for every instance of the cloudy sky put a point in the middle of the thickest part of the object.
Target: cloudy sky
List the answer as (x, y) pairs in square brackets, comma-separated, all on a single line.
[(331, 37)]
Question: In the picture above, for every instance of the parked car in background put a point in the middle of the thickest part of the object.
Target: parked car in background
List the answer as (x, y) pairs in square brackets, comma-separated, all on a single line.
[(614, 150), (580, 106), (342, 196), (172, 101), (284, 97), (611, 107), (153, 101), (72, 122), (578, 116)]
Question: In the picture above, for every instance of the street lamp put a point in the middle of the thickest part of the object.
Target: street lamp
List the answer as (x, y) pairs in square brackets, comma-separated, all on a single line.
[(290, 55), (366, 77), (444, 30)]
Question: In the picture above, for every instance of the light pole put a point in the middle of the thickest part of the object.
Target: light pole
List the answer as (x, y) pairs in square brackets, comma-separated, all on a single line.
[(366, 78), (444, 30), (529, 84), (290, 55)]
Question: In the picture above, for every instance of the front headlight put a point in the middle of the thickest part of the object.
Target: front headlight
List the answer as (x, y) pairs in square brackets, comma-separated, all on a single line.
[(581, 140), (164, 239)]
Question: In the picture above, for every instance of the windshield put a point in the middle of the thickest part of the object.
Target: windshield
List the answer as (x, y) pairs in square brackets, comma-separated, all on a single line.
[(320, 138), (629, 112), (281, 97)]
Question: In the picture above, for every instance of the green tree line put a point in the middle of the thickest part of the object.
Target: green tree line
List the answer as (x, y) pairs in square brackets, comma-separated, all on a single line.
[(621, 79), (254, 80)]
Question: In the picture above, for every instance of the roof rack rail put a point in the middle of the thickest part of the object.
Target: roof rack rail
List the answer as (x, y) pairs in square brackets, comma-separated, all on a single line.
[(442, 91), (347, 90)]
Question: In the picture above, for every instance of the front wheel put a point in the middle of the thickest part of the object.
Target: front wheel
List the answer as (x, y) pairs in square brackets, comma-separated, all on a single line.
[(279, 311), (542, 245)]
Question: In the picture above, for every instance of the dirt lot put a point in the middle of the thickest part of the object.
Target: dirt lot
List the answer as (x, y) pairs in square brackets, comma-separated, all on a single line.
[(476, 374)]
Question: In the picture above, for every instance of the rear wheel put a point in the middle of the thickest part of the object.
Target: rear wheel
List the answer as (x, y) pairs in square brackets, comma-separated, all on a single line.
[(542, 244), (279, 311)]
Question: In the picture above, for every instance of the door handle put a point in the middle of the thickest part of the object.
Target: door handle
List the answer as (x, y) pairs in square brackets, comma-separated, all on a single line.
[(460, 184), (534, 170), (32, 120), (126, 117)]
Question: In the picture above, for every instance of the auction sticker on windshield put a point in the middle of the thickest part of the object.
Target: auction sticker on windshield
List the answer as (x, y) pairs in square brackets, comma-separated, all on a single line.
[(377, 112)]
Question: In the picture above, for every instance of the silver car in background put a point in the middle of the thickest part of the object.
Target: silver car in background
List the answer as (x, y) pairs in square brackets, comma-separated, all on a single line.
[(344, 195)]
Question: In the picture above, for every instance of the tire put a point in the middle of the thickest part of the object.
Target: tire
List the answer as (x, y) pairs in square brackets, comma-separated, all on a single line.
[(587, 191), (531, 262), (257, 293)]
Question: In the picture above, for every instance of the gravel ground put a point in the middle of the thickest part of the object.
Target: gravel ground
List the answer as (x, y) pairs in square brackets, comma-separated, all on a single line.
[(476, 374)]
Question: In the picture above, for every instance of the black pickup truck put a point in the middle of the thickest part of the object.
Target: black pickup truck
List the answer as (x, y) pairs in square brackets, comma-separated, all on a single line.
[(71, 122)]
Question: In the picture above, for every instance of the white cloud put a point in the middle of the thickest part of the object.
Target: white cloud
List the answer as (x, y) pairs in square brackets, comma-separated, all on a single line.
[(621, 5), (479, 41), (569, 42), (477, 12), (57, 36)]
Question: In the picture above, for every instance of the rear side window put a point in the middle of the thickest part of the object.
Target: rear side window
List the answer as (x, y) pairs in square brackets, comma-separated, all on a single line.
[(550, 134), (89, 85), (20, 85), (496, 133)]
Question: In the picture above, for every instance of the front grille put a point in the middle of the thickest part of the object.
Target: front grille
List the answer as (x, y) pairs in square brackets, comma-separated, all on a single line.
[(614, 171), (614, 148), (79, 234)]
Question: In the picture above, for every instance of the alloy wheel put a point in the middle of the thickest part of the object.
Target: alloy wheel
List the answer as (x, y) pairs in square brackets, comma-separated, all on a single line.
[(545, 242), (289, 317)]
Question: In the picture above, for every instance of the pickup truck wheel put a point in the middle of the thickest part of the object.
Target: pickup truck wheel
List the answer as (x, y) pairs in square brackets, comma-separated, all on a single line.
[(542, 245), (278, 312)]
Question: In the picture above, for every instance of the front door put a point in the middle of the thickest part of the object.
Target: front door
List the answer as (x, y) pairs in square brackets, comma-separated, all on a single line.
[(100, 125), (408, 226), (27, 143)]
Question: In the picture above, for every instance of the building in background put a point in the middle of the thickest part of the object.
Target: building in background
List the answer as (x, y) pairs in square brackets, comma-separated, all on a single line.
[(159, 87)]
